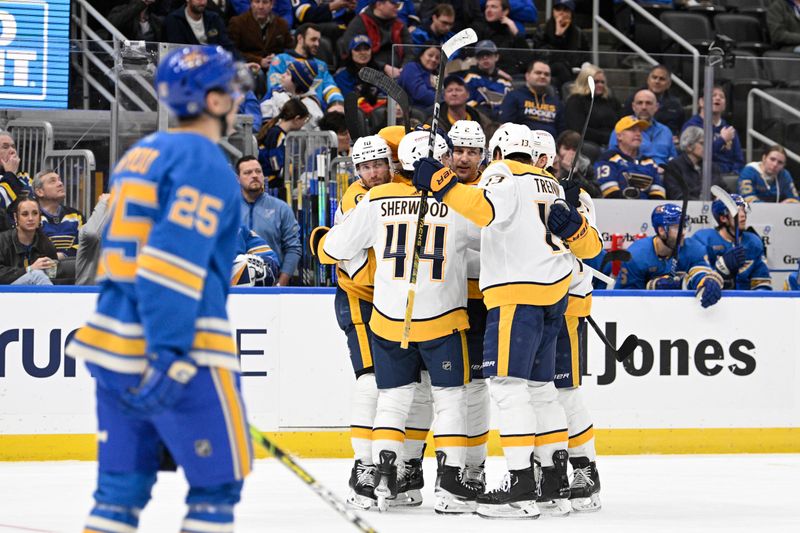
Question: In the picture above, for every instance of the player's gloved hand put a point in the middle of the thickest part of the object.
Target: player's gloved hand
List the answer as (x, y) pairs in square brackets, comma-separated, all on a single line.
[(729, 263), (162, 385), (564, 220), (572, 193), (316, 237), (432, 176), (709, 291), (665, 283)]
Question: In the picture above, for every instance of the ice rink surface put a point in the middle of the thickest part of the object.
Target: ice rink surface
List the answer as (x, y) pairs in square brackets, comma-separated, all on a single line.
[(680, 493)]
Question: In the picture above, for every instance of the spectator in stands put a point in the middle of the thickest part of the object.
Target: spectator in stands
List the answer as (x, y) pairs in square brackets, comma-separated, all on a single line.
[(306, 47), (407, 13), (606, 109), (727, 149), (487, 84), (194, 24), (536, 105), (657, 139), (271, 151), (137, 20), (296, 82), (359, 56), (89, 242), (331, 17), (60, 222), (12, 182), (783, 23), (466, 11), (417, 77), (768, 180), (259, 34), (251, 106), (566, 148), (383, 27), (622, 172), (27, 257), (689, 165), (335, 122), (670, 111), (271, 218), (438, 29), (499, 28), (567, 41), (455, 106)]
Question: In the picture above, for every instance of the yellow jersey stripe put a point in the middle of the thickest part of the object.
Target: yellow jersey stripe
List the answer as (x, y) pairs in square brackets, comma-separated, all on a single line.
[(416, 434), (478, 440), (465, 356), (554, 437), (240, 434), (513, 441), (582, 438), (172, 271), (357, 432), (387, 434), (440, 441), (110, 342), (217, 342)]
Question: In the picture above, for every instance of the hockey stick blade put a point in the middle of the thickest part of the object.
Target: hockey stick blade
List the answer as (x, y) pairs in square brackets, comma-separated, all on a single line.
[(733, 209), (391, 88), (330, 498), (351, 115), (590, 81), (627, 347), (458, 41), (623, 256)]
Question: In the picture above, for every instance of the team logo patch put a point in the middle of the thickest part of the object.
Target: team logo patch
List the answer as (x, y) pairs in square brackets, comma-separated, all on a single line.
[(202, 448)]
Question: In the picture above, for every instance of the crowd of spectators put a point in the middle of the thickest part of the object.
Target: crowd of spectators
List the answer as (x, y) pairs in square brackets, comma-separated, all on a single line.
[(307, 54)]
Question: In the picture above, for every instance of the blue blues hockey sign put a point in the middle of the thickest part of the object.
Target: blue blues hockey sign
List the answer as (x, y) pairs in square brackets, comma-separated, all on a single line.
[(34, 53)]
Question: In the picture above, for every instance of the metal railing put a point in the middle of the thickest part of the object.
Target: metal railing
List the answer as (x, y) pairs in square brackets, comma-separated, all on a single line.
[(34, 140), (76, 169), (753, 134), (597, 20)]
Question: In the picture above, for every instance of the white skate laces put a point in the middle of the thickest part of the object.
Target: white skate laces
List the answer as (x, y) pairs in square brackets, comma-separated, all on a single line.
[(582, 477)]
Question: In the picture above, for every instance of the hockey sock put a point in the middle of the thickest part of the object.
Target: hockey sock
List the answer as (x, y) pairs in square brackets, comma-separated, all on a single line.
[(419, 420), (551, 422), (390, 420), (362, 416), (477, 421), (108, 518), (211, 508), (517, 421), (450, 426), (581, 431)]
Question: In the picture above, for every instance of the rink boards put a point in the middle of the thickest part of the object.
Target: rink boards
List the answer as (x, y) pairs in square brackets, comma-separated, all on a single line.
[(718, 380)]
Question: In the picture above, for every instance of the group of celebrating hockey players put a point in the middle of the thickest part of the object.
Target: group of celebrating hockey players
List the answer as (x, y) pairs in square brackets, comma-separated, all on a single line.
[(499, 312)]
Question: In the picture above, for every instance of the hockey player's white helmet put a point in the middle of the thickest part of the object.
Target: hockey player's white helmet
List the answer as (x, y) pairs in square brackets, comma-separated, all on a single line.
[(544, 144), (467, 133), (370, 148), (511, 138), (414, 147)]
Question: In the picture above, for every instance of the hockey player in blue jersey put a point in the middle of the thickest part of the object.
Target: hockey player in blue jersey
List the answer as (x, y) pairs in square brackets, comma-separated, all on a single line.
[(256, 264), (159, 344), (737, 256), (793, 281), (652, 268)]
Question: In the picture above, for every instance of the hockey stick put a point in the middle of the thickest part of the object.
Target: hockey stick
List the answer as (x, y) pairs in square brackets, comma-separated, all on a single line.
[(458, 41), (351, 116), (590, 81), (733, 209), (608, 280), (329, 497), (684, 207), (392, 90), (626, 348)]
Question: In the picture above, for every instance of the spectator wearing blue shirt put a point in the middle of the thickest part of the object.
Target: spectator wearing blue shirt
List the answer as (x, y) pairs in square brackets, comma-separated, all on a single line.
[(727, 150), (657, 139), (438, 29), (768, 180), (251, 106), (359, 56), (417, 78), (270, 217), (536, 105), (486, 83)]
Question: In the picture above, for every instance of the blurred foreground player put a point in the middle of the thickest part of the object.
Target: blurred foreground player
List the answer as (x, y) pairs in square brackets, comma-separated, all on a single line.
[(159, 344)]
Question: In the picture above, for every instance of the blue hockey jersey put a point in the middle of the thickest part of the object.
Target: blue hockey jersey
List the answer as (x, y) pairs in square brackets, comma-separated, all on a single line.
[(792, 283), (248, 242), (167, 253), (754, 274), (645, 265)]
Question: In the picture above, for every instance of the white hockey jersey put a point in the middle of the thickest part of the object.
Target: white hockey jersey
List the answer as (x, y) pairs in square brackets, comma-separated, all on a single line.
[(580, 286), (521, 261), (385, 220), (355, 276)]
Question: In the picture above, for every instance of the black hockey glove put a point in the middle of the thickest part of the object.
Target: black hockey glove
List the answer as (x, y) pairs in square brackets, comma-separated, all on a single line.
[(729, 263), (564, 220)]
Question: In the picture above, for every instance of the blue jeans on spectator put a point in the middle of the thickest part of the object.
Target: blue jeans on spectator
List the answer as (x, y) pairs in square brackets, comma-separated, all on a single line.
[(34, 277)]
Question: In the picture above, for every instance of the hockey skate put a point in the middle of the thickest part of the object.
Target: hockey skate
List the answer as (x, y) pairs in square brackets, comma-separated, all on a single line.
[(476, 477), (514, 498), (409, 485), (386, 479), (362, 486), (585, 488), (554, 486), (453, 494)]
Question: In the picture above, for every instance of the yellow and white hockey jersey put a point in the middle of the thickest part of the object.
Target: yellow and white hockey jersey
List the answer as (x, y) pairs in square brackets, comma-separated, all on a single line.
[(355, 276), (521, 261), (385, 221), (580, 286)]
